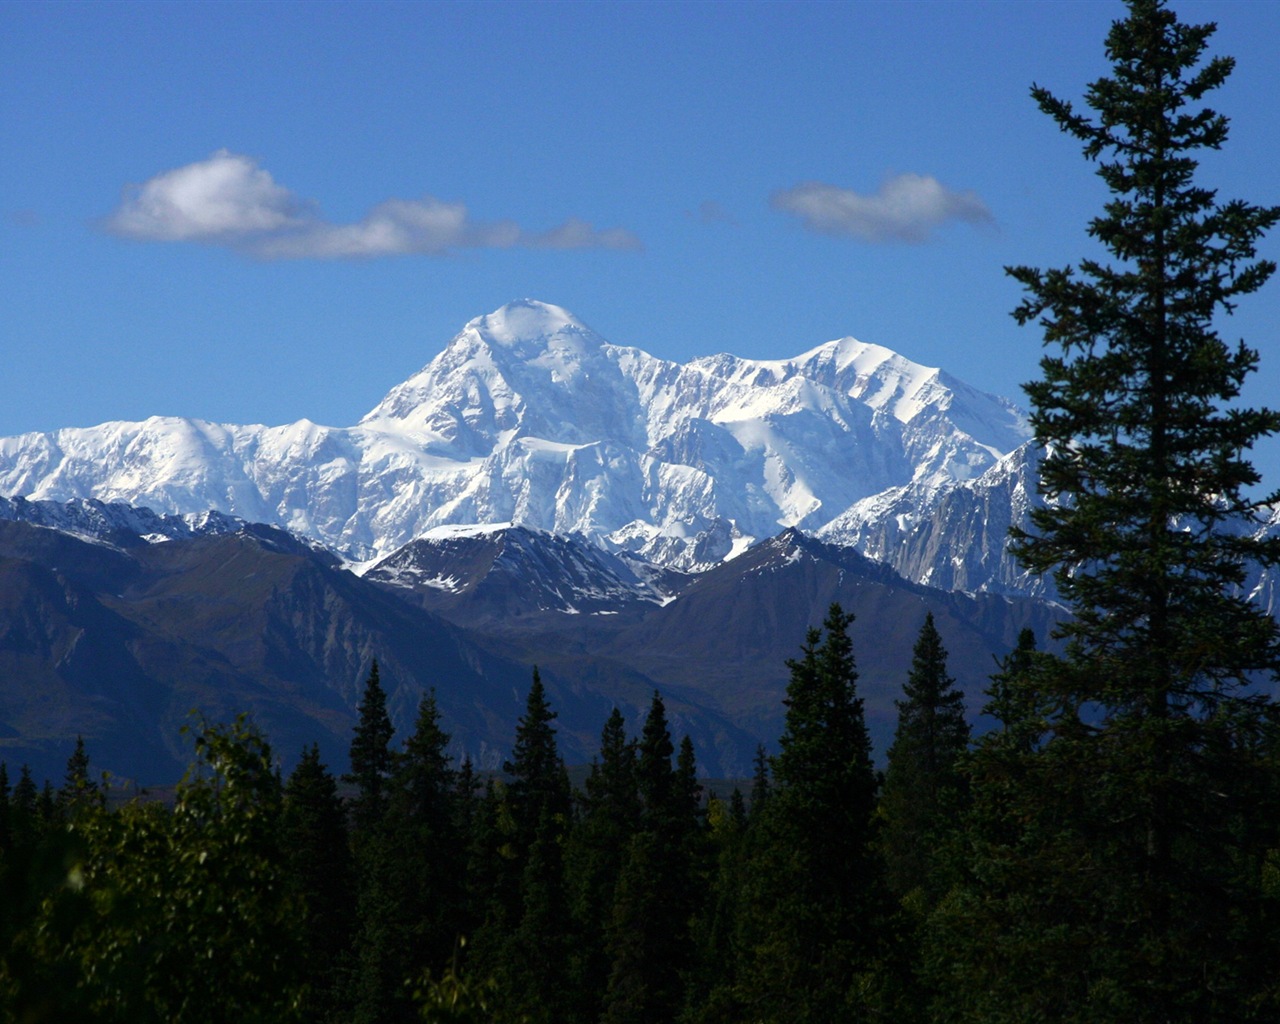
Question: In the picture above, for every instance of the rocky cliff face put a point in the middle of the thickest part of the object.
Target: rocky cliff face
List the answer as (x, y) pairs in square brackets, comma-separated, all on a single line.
[(529, 417)]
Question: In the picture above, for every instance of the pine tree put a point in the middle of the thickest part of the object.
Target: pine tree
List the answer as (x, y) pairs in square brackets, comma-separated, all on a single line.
[(1144, 811), (537, 969), (759, 782), (814, 895), (922, 785), (538, 779), (610, 817), (533, 807), (6, 832), (649, 936), (372, 759), (428, 846), (1015, 701), (320, 870), (77, 787), (24, 813)]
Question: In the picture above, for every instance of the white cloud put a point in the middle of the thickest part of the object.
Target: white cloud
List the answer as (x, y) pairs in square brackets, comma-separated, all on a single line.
[(907, 208), (224, 198), (578, 234), (230, 200)]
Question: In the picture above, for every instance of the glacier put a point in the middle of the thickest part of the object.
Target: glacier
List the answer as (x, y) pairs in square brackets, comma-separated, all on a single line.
[(529, 417)]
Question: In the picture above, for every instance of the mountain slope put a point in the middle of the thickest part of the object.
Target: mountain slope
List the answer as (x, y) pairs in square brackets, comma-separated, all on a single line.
[(120, 644), (528, 416)]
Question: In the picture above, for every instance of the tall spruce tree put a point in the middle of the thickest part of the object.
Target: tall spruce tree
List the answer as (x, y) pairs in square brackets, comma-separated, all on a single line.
[(922, 785), (5, 832), (814, 897), (320, 871), (377, 992), (426, 843), (649, 937), (372, 759), (530, 815), (609, 819), (1143, 814), (78, 788), (538, 779)]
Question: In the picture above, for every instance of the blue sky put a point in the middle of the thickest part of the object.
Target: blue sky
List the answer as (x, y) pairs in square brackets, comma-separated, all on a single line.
[(254, 213)]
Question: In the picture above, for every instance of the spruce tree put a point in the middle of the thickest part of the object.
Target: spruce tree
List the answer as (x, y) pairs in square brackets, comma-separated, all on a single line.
[(814, 897), (649, 937), (533, 808), (1144, 812), (320, 871), (78, 788), (538, 779), (24, 812), (372, 759), (610, 817), (427, 845), (537, 969), (922, 785), (759, 783), (6, 834)]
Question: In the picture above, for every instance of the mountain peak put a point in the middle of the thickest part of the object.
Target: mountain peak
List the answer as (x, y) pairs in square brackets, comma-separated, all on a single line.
[(524, 320)]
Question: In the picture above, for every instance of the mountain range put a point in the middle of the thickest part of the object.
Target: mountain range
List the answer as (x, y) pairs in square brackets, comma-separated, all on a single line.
[(528, 416), (533, 496)]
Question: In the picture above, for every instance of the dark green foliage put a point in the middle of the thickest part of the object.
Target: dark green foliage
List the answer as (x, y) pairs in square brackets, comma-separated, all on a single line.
[(530, 812), (649, 937), (1015, 700), (712, 974), (77, 787), (538, 780), (321, 874), (609, 818), (6, 833), (412, 895), (24, 811), (759, 783), (922, 788), (1122, 821), (372, 759), (168, 915), (428, 842), (537, 973), (814, 897)]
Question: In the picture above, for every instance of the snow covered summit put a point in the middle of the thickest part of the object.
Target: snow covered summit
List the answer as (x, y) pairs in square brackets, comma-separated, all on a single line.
[(529, 417)]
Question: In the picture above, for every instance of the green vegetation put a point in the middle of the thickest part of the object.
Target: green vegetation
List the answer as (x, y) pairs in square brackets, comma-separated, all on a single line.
[(1110, 852)]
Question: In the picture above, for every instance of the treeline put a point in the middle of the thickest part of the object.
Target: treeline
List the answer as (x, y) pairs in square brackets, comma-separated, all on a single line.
[(987, 881), (428, 893), (1109, 854), (632, 900)]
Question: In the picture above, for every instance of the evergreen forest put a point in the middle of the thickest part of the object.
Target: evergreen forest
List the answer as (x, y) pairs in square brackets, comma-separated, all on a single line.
[(1109, 852)]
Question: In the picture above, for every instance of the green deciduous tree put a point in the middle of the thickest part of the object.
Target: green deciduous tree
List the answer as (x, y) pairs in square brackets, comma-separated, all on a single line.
[(181, 915)]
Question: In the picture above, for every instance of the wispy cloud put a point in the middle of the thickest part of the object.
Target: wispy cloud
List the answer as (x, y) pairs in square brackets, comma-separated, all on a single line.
[(230, 200), (907, 208), (711, 212)]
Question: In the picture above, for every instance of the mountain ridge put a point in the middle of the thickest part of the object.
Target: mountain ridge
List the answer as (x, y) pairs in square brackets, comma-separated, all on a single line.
[(528, 416)]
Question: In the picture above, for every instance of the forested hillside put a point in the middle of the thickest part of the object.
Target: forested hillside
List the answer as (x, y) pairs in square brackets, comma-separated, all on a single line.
[(1109, 854)]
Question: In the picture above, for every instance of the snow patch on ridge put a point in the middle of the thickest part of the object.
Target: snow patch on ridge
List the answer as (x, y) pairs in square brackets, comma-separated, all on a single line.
[(529, 418)]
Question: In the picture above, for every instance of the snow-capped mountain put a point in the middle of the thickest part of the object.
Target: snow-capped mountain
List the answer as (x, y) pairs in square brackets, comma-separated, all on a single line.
[(502, 574), (97, 520), (529, 417)]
